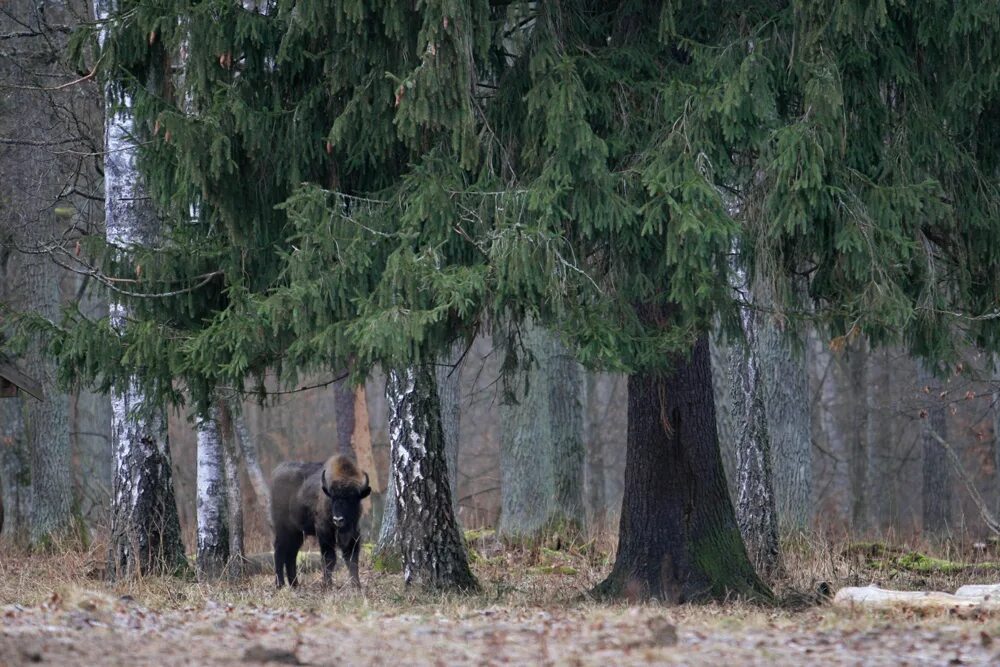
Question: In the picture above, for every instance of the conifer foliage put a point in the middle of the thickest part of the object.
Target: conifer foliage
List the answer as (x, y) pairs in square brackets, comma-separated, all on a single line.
[(377, 180)]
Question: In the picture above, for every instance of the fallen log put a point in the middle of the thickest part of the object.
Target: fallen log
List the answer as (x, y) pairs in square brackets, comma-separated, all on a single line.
[(873, 597)]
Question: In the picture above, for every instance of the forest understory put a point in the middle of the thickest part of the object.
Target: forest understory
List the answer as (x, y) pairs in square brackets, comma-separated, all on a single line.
[(534, 608)]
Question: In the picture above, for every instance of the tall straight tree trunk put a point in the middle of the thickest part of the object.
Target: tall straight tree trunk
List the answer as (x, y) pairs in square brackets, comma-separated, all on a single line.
[(857, 462), (785, 385), (213, 534), (526, 477), (433, 550), (594, 468), (936, 495), (564, 394), (996, 431), (343, 407), (15, 469), (449, 375), (755, 509), (721, 352), (678, 537), (234, 500), (248, 452), (145, 529)]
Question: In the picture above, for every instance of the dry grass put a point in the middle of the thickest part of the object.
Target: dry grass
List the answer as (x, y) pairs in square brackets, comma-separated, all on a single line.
[(533, 607)]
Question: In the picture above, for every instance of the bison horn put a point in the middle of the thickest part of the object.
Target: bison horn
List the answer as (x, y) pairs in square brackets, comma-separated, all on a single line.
[(367, 488), (322, 483)]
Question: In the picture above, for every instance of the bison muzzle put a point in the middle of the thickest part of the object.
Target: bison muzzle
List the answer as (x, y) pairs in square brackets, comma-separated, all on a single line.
[(321, 499)]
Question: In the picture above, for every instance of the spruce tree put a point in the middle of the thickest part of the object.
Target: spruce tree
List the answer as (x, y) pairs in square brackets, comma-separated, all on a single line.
[(375, 182)]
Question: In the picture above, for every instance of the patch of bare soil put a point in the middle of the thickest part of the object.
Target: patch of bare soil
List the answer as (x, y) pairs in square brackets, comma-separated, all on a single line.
[(533, 610)]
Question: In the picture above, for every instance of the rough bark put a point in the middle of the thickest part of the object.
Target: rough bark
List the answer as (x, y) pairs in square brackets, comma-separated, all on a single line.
[(755, 509), (721, 353), (449, 375), (387, 548), (234, 500), (145, 529), (213, 535), (678, 537), (432, 546), (566, 415), (937, 492), (785, 385), (343, 407), (15, 470)]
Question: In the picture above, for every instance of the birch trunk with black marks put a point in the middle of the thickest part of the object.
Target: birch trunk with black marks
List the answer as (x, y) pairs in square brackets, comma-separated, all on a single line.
[(213, 534), (449, 375), (432, 546), (678, 537), (937, 491), (145, 529), (15, 470), (785, 385), (755, 509)]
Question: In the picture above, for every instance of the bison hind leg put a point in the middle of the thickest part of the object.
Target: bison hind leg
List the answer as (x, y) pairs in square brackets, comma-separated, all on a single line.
[(286, 553)]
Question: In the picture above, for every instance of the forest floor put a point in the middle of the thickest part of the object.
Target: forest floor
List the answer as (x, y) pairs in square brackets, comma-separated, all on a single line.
[(533, 609)]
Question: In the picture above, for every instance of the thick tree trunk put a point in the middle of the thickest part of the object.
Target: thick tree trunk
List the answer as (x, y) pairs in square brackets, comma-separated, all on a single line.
[(564, 393), (343, 408), (526, 478), (678, 537), (145, 529), (213, 534), (386, 554), (431, 543), (785, 385), (449, 375), (937, 518), (721, 352), (15, 469), (755, 509)]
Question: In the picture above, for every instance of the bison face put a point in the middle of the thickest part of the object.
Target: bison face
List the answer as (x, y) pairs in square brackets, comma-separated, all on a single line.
[(345, 501)]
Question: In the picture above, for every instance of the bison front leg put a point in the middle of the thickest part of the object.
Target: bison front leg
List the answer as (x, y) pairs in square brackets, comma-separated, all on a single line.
[(351, 553), (329, 552)]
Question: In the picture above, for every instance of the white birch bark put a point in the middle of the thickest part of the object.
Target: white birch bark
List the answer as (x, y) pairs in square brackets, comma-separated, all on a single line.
[(145, 529), (431, 544), (213, 536)]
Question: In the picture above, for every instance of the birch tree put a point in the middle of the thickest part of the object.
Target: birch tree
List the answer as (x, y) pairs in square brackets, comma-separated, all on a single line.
[(213, 534)]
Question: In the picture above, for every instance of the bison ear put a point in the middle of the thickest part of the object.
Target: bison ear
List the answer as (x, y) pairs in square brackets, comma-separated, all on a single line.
[(322, 483), (365, 491)]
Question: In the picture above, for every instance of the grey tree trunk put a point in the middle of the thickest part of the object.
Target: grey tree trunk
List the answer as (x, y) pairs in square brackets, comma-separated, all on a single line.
[(566, 414), (248, 452), (15, 470), (937, 490), (755, 509), (213, 534), (145, 529), (879, 395), (594, 467), (432, 546), (785, 385), (449, 375), (386, 554), (721, 352), (996, 431), (857, 462), (234, 502), (526, 477)]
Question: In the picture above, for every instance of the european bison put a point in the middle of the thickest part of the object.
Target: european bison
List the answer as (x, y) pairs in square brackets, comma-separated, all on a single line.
[(321, 499)]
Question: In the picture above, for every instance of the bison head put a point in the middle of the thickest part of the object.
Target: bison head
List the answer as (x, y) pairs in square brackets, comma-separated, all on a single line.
[(345, 500)]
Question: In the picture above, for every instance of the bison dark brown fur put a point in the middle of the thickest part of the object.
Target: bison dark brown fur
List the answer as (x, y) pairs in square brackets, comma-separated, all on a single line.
[(321, 499)]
